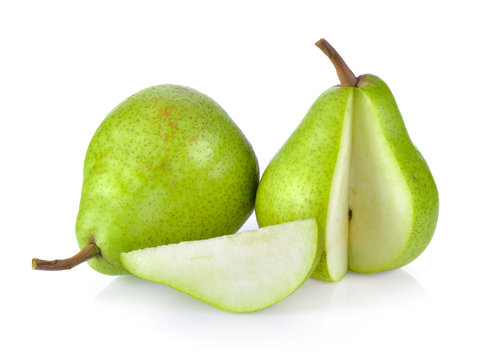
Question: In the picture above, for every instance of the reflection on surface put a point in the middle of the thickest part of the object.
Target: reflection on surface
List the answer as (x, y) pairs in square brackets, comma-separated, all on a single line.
[(318, 312), (388, 289), (383, 289), (131, 290)]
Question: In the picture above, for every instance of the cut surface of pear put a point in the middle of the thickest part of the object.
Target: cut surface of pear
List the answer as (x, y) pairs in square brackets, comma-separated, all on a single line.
[(337, 228), (393, 197), (379, 197), (351, 164), (240, 272)]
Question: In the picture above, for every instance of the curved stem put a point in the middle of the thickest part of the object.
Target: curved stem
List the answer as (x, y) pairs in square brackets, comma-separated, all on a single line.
[(85, 254), (345, 74)]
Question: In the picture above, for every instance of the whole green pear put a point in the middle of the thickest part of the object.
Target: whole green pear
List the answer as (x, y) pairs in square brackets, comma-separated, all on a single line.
[(352, 165), (166, 165)]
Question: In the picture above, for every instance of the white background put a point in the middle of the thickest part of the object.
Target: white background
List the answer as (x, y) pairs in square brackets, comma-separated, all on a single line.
[(65, 66)]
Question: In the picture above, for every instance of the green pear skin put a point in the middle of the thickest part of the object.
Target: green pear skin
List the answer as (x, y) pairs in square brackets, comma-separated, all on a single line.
[(297, 182), (166, 165), (241, 272)]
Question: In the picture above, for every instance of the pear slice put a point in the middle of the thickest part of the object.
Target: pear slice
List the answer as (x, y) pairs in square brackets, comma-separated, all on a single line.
[(241, 272)]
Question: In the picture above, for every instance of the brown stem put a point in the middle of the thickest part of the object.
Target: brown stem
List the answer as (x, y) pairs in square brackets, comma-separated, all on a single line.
[(345, 74), (85, 254)]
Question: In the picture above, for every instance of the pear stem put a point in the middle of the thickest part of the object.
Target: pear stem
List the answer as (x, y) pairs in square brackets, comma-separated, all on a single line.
[(85, 254), (345, 75)]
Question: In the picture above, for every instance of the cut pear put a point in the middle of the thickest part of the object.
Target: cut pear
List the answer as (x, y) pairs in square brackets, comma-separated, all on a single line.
[(241, 272), (351, 165)]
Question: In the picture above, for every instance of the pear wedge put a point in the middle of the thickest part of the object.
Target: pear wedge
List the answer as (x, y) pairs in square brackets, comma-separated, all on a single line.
[(241, 272), (352, 166)]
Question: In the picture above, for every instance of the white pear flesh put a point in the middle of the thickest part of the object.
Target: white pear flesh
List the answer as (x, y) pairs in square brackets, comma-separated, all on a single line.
[(382, 209), (336, 237), (241, 272)]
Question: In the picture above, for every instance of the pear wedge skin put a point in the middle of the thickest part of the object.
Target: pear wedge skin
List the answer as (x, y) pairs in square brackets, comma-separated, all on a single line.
[(239, 273), (393, 197), (297, 183)]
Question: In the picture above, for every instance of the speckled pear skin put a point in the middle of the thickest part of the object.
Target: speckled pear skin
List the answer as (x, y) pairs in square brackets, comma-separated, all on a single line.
[(297, 182), (166, 165), (414, 168)]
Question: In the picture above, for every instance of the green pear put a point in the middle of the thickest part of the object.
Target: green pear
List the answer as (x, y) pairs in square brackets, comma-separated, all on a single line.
[(241, 272), (166, 165), (351, 164)]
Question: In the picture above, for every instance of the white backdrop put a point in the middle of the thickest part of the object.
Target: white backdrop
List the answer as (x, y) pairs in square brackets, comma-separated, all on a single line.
[(64, 66)]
